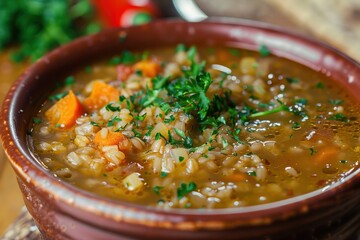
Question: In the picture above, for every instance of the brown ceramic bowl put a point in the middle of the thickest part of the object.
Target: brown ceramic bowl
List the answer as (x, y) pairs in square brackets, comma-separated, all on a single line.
[(62, 211)]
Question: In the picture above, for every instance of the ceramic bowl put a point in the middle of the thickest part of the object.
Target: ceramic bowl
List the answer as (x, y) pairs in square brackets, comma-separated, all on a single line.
[(62, 211)]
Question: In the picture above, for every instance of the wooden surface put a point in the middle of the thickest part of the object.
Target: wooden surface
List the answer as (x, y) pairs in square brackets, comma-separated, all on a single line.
[(272, 11), (10, 197)]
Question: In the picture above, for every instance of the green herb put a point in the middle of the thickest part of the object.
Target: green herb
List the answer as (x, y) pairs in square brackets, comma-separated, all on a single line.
[(88, 69), (164, 174), (339, 117), (211, 148), (36, 120), (251, 173), (94, 124), (39, 26), (137, 134), (170, 119), (181, 158), (292, 80), (264, 50), (70, 80), (105, 175), (148, 133), (145, 55), (157, 189), (336, 102), (159, 135), (187, 140), (58, 125), (234, 52), (281, 108), (320, 85), (312, 151), (125, 58), (111, 108), (138, 72), (113, 121), (58, 96), (140, 117), (224, 142), (343, 161), (302, 101), (185, 189), (180, 48), (296, 125)]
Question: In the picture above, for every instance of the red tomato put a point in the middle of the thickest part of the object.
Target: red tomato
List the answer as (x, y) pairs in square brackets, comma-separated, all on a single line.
[(124, 13), (123, 72)]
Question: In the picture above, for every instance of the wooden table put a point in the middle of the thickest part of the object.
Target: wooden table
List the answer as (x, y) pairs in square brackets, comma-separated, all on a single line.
[(270, 11), (10, 196)]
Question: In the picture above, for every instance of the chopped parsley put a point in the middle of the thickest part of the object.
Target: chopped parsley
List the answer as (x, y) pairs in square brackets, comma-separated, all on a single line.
[(94, 123), (264, 51), (111, 108), (312, 151), (251, 173), (36, 120), (157, 189), (185, 189), (320, 85), (336, 102), (181, 158), (69, 81), (170, 119), (339, 117), (292, 80), (113, 121), (58, 96), (140, 117), (164, 174)]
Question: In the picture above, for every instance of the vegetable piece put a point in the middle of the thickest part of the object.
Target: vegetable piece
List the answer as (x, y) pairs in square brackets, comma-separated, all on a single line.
[(326, 153), (123, 72), (148, 68), (133, 182), (101, 95), (65, 112), (105, 137), (236, 177)]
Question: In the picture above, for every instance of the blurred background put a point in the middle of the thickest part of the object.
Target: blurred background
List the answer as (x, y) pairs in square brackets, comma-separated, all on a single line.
[(31, 28)]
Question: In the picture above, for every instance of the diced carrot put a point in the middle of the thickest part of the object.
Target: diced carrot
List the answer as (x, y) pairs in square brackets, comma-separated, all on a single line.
[(222, 55), (236, 177), (65, 112), (112, 138), (327, 153), (148, 68), (100, 95), (123, 72)]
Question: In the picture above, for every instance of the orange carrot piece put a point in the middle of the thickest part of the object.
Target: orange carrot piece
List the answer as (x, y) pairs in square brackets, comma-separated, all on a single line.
[(65, 112), (112, 138), (236, 177), (327, 153), (148, 68), (101, 95)]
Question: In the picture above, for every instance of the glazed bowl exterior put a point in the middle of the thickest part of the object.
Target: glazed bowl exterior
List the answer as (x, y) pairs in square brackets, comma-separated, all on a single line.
[(62, 211)]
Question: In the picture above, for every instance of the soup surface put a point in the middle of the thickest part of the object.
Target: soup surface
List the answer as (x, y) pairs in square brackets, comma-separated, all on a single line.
[(198, 128)]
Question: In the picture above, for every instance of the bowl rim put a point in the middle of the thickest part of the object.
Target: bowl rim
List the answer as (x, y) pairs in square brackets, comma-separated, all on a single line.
[(72, 195)]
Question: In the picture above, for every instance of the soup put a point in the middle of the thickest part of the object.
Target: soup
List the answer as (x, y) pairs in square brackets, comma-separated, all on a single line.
[(198, 128)]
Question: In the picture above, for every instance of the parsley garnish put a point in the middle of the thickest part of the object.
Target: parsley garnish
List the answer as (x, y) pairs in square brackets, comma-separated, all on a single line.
[(185, 189), (111, 108), (336, 102), (292, 80), (94, 123), (157, 189), (163, 174), (264, 50), (70, 80), (251, 173), (113, 121), (187, 140), (36, 120), (320, 85), (312, 151), (58, 96), (339, 117), (170, 119)]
